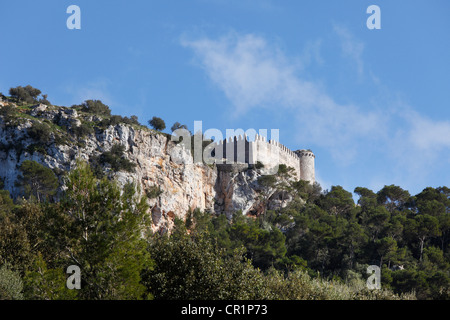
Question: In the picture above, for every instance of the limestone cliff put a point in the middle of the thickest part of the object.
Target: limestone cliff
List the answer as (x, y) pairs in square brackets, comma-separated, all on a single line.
[(159, 162), (183, 185), (237, 189)]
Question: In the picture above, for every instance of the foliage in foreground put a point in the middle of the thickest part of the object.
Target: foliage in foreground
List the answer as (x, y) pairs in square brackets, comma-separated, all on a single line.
[(103, 230), (95, 226), (317, 247), (11, 285), (193, 267)]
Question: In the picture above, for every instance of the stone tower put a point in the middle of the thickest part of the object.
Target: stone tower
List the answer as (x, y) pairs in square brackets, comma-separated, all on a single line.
[(307, 171)]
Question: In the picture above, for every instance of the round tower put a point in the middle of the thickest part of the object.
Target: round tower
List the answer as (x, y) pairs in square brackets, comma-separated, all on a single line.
[(307, 171)]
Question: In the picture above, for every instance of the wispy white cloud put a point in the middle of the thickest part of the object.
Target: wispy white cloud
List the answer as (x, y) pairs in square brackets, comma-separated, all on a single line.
[(248, 72), (421, 145), (96, 89), (253, 74), (428, 135)]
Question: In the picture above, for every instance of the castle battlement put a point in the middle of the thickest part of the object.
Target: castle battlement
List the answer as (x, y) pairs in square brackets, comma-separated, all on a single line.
[(239, 150)]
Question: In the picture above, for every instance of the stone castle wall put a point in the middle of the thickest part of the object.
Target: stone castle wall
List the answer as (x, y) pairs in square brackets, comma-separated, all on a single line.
[(270, 153)]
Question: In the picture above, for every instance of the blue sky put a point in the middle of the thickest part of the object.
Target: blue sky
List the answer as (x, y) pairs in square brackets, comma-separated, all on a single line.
[(373, 105)]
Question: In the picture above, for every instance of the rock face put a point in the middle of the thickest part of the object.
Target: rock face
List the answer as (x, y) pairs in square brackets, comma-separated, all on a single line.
[(237, 189), (184, 185), (160, 163)]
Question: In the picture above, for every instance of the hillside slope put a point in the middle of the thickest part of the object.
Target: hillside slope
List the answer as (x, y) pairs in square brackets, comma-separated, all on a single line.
[(59, 136)]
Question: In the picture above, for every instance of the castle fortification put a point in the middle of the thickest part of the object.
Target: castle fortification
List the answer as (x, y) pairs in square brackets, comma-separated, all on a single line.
[(239, 150)]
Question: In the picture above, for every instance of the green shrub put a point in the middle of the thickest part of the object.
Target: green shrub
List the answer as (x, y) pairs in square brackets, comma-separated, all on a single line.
[(83, 130), (298, 285), (94, 106), (37, 180), (40, 132), (36, 147), (115, 158), (26, 94), (157, 124), (153, 192), (259, 165), (44, 100), (134, 120), (115, 120), (7, 112), (267, 181), (202, 271), (11, 285), (177, 126)]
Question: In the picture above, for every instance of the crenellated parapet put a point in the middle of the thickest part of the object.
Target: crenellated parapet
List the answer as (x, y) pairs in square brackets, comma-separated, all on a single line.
[(271, 153)]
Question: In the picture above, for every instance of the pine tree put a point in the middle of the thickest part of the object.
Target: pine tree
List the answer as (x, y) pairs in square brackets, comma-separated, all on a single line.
[(37, 180), (99, 228)]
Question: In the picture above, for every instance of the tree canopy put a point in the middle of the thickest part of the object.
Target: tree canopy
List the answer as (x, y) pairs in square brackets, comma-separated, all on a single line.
[(157, 123), (318, 246), (177, 126), (26, 94), (96, 107), (37, 180)]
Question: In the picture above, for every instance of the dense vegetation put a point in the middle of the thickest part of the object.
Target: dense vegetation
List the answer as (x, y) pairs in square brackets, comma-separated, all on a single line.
[(93, 115), (48, 126), (326, 232), (316, 247), (114, 159), (313, 249)]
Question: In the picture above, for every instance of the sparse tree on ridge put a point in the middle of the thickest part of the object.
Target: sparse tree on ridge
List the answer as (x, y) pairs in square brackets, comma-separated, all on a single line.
[(178, 125), (96, 107), (26, 94), (157, 123)]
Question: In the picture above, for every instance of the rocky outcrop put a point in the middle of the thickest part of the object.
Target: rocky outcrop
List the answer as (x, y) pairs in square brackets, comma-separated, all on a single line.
[(160, 163), (237, 190)]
